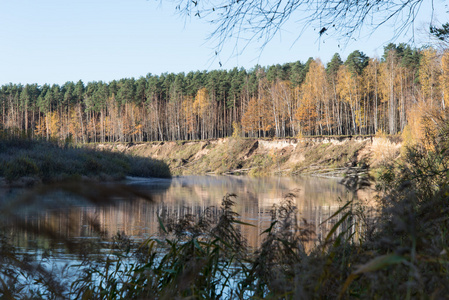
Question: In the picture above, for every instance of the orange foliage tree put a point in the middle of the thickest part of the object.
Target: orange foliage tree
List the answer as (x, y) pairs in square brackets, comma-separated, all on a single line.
[(313, 109)]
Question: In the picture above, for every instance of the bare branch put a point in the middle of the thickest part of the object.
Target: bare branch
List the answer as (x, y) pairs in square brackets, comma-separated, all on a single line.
[(260, 20)]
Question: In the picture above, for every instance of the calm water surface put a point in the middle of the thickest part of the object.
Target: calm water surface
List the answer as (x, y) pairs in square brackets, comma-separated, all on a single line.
[(316, 200)]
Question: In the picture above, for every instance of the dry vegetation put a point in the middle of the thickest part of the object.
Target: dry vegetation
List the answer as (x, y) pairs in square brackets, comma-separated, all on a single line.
[(25, 161)]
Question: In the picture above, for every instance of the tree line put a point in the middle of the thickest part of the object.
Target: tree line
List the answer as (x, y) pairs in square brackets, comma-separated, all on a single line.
[(361, 95)]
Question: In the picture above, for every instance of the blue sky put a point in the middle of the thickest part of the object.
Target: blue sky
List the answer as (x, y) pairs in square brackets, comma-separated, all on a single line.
[(54, 41)]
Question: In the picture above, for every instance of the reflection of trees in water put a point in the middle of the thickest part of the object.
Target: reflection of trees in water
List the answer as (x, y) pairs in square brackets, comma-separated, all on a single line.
[(316, 199)]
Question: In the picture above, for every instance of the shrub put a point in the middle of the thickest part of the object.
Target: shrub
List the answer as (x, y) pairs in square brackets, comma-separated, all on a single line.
[(20, 167)]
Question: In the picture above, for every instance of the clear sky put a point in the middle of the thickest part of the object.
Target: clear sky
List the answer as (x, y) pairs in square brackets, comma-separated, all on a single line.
[(54, 41)]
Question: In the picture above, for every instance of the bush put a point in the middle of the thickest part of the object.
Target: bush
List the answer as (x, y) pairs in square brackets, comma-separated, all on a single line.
[(20, 167)]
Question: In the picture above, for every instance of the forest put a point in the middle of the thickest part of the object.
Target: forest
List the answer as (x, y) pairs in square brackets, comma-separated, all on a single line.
[(359, 96)]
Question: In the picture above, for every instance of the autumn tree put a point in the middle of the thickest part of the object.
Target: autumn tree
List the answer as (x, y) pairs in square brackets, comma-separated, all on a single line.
[(200, 108), (282, 102), (348, 93), (444, 79), (258, 119), (429, 77), (313, 110), (371, 92)]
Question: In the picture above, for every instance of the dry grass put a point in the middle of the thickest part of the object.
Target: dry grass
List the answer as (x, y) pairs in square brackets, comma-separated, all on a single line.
[(46, 161), (384, 150)]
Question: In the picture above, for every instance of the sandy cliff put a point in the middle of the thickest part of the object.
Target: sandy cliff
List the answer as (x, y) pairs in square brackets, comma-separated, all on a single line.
[(322, 156)]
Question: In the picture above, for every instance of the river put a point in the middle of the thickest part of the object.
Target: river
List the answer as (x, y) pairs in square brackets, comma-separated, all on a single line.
[(315, 198)]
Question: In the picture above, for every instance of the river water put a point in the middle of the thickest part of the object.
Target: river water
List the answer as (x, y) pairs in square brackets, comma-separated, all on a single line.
[(316, 199)]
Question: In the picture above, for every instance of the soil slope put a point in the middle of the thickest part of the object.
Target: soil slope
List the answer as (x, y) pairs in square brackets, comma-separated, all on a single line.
[(309, 156)]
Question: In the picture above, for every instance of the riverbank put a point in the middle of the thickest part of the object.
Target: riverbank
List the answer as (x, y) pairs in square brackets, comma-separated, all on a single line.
[(25, 162), (320, 156)]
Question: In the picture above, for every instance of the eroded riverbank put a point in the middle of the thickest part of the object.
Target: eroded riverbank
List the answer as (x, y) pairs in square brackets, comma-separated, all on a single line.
[(326, 157)]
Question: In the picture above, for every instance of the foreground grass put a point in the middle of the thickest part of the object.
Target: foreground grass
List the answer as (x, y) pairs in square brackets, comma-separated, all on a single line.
[(48, 161)]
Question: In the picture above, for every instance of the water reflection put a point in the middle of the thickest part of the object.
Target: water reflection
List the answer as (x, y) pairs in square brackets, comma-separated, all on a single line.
[(316, 200)]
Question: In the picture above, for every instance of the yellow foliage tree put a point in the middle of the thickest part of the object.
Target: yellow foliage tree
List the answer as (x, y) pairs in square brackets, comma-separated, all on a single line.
[(250, 120), (258, 116), (236, 130), (429, 76), (74, 124), (370, 89), (189, 114), (414, 132), (201, 103), (444, 79), (41, 129), (348, 90), (201, 107), (282, 102), (54, 124), (313, 108)]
